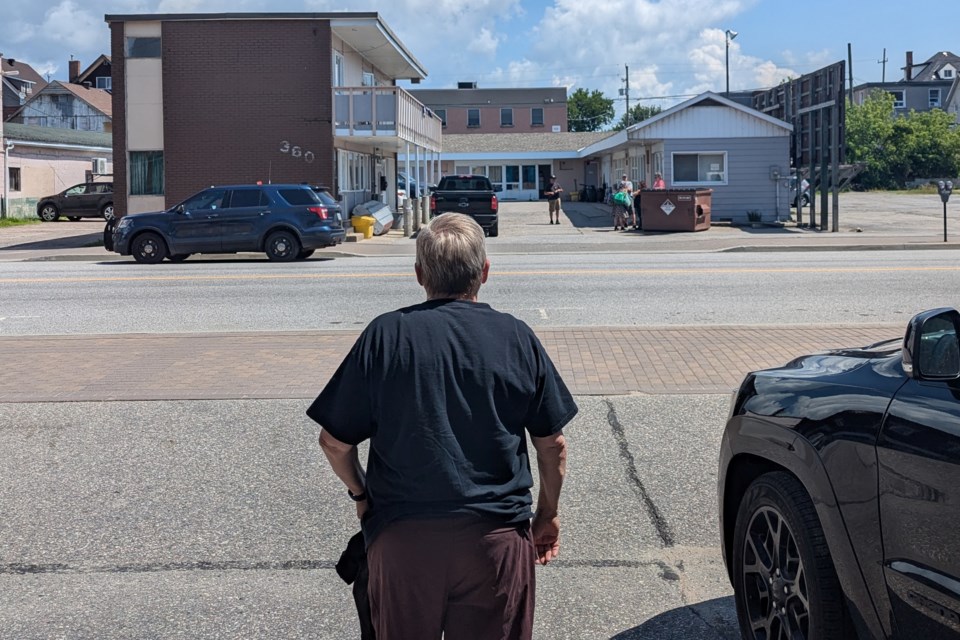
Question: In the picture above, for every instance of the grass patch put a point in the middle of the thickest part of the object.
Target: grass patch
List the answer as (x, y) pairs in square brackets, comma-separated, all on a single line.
[(16, 222)]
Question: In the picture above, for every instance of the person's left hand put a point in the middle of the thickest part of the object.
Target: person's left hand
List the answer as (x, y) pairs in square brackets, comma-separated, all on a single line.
[(362, 507)]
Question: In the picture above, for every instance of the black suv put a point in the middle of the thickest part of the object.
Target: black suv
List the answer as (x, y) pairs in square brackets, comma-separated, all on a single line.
[(286, 221), (88, 200), (839, 490)]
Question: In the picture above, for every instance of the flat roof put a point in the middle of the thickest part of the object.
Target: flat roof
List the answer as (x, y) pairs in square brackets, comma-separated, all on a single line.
[(365, 31)]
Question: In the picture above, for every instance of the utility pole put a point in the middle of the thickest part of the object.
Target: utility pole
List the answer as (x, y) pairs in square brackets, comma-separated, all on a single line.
[(883, 77), (627, 93)]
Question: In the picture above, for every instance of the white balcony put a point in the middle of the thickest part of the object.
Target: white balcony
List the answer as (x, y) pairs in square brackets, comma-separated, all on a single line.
[(384, 116)]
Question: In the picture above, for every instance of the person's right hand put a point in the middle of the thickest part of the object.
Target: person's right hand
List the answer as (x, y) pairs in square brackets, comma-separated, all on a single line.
[(546, 537)]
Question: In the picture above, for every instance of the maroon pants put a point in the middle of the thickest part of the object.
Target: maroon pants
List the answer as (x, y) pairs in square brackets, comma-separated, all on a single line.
[(462, 577)]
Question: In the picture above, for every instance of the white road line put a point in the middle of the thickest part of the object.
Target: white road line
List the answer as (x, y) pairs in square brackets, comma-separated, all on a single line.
[(543, 314)]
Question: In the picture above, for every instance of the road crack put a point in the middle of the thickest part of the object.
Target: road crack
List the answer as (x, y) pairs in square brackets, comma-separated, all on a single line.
[(656, 518)]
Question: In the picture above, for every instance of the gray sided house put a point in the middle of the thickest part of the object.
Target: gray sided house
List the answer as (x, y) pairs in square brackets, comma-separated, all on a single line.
[(707, 142)]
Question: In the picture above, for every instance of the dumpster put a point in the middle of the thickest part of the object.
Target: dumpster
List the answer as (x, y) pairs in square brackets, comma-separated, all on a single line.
[(591, 193), (675, 209), (364, 225)]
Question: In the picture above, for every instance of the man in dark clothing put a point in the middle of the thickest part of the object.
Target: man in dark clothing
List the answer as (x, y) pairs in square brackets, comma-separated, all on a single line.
[(553, 193), (446, 391)]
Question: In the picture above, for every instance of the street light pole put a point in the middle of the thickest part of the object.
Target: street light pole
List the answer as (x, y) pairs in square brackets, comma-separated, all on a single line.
[(730, 35)]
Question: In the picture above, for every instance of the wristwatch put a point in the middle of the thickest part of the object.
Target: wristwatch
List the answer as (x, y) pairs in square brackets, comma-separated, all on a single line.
[(357, 497)]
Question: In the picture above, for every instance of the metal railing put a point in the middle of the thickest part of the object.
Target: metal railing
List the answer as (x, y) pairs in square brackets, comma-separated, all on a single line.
[(385, 112)]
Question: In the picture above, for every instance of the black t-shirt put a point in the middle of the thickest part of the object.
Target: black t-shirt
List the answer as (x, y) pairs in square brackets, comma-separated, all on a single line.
[(444, 390), (553, 188)]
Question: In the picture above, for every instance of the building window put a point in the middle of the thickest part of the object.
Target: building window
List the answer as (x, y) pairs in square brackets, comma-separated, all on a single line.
[(934, 98), (898, 102), (369, 80), (699, 168), (473, 117), (506, 117), (536, 117), (146, 173), (105, 83), (14, 180), (442, 114), (143, 47), (337, 69), (947, 73)]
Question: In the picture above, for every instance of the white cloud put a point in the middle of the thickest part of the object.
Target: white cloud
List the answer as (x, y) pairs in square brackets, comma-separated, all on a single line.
[(484, 43), (75, 27)]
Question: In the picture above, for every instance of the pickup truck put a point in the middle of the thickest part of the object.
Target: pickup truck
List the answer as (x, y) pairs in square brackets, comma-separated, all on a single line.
[(470, 195)]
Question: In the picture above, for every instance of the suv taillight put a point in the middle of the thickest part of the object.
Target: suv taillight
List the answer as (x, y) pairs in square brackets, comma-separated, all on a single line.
[(493, 203), (433, 203), (320, 211)]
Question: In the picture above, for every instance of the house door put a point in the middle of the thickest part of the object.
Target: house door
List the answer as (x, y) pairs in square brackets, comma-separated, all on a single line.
[(590, 174)]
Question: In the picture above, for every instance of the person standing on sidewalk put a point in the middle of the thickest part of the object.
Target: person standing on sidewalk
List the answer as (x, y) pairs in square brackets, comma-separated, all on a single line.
[(553, 193), (631, 213), (446, 391)]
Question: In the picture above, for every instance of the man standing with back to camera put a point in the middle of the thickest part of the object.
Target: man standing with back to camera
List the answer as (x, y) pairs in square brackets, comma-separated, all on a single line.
[(446, 390)]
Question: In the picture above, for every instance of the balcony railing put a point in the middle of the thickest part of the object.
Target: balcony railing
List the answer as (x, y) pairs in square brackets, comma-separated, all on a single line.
[(385, 112)]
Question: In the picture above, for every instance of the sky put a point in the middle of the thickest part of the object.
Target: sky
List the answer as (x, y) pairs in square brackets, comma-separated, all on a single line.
[(673, 48)]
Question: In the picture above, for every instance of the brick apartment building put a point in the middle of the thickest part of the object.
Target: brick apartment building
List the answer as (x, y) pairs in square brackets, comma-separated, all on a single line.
[(468, 109), (201, 99)]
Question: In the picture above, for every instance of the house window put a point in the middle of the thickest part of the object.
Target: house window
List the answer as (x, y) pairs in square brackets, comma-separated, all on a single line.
[(105, 83), (146, 173), (368, 79), (473, 117), (14, 180), (506, 117), (442, 114), (337, 69), (699, 168), (947, 73), (143, 47), (898, 101), (536, 117), (934, 98), (513, 178)]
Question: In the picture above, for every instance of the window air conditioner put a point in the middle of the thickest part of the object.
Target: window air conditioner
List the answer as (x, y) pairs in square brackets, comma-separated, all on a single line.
[(99, 166)]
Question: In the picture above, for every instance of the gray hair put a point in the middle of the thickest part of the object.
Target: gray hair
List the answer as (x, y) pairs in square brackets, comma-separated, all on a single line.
[(450, 256)]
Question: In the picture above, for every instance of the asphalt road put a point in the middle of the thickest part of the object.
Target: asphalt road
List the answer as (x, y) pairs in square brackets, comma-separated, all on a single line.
[(219, 518), (607, 289)]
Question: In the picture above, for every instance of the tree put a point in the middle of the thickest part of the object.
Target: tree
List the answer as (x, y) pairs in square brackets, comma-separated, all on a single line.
[(588, 111), (638, 113), (896, 149)]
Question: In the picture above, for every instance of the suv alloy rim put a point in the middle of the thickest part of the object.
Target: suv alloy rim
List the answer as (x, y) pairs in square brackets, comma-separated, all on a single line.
[(774, 578)]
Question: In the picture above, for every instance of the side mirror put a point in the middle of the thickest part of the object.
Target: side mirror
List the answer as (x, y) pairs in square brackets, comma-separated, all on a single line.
[(931, 346), (179, 209)]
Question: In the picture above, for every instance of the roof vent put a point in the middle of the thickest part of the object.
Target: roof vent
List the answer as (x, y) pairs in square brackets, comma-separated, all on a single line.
[(466, 85)]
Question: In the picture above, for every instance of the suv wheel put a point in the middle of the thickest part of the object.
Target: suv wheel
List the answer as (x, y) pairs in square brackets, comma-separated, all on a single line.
[(107, 212), (149, 248), (282, 246), (784, 581), (49, 213), (494, 230)]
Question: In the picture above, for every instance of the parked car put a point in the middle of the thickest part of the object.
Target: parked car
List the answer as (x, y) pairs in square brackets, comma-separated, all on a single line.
[(839, 489), (286, 221), (402, 181), (87, 200)]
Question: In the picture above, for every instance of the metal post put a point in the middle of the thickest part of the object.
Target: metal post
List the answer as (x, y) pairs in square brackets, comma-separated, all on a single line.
[(824, 174), (407, 213), (835, 156), (813, 168), (944, 221), (425, 210)]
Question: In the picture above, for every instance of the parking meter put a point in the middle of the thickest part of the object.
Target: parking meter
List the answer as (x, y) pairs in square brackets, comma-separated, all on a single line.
[(945, 187)]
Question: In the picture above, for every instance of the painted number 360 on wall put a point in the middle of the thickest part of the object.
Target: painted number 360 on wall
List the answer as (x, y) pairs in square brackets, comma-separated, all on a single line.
[(296, 151)]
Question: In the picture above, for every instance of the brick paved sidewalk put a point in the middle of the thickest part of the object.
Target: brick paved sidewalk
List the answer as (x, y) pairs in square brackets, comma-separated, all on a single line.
[(593, 361)]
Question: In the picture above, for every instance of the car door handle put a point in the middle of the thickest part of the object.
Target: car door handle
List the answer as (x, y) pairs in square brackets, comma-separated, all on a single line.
[(263, 213), (212, 216)]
